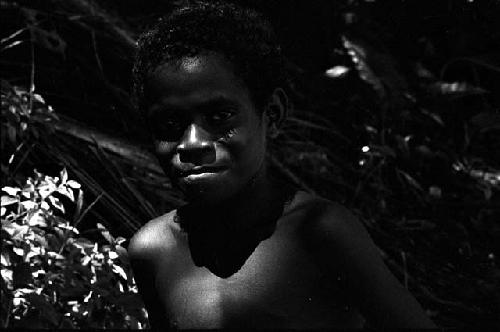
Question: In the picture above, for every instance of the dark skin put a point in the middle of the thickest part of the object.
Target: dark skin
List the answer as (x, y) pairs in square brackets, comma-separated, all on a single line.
[(247, 250)]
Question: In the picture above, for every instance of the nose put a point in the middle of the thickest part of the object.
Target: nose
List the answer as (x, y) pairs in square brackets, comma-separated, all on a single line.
[(196, 147)]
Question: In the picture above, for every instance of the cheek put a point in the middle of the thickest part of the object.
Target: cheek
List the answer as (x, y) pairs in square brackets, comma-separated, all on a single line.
[(246, 148)]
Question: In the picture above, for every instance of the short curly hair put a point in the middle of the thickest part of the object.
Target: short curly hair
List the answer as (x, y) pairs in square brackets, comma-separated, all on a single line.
[(242, 35)]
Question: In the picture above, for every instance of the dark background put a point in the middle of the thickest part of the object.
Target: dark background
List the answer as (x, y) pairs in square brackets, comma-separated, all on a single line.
[(420, 92)]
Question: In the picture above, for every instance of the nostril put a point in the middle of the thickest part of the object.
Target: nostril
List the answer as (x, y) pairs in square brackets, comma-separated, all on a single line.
[(196, 154)]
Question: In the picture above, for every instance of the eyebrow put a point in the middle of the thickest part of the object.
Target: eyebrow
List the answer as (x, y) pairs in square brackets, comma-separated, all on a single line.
[(217, 102)]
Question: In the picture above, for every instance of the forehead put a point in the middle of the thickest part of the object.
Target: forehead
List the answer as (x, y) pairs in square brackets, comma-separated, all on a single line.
[(193, 80)]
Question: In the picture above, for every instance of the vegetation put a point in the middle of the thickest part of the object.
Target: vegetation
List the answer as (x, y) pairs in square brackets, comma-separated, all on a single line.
[(53, 276), (396, 115)]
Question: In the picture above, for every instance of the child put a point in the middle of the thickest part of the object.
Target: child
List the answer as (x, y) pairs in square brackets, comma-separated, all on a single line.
[(247, 250)]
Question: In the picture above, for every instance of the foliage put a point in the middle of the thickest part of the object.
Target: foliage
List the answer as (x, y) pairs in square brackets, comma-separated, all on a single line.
[(52, 277), (25, 119), (29, 140)]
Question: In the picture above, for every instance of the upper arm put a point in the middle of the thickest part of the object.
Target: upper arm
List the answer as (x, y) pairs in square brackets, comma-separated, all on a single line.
[(143, 253), (343, 245)]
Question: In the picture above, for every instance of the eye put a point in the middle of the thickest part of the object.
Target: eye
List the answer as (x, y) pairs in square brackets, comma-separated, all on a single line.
[(221, 116), (166, 128)]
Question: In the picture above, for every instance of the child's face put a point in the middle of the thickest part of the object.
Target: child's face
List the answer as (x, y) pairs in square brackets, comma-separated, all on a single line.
[(209, 138)]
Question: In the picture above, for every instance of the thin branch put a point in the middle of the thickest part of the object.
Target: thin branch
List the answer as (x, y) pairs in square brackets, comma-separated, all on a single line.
[(96, 54), (32, 73), (93, 10), (87, 210)]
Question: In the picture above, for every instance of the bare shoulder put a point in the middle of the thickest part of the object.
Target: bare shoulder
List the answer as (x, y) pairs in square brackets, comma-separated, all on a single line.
[(336, 222), (335, 238), (341, 246), (154, 238), (149, 248), (331, 231), (321, 217)]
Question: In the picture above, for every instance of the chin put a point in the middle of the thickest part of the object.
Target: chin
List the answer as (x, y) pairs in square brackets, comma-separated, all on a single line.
[(204, 193), (204, 197)]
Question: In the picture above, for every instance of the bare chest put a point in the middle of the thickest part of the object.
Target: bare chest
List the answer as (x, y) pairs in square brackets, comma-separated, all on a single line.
[(277, 287)]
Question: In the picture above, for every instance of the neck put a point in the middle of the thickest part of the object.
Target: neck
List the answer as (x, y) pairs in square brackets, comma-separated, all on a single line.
[(221, 237), (261, 201)]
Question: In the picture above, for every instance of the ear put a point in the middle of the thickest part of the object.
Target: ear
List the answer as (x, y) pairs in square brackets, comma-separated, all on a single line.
[(276, 111)]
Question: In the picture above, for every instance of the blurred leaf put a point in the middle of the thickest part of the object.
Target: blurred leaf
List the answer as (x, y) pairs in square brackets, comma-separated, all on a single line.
[(67, 324), (66, 192), (49, 39), (382, 150), (435, 192), (486, 121), (433, 116), (337, 72), (73, 184), (376, 66), (84, 243), (56, 203), (424, 151), (410, 180), (120, 271), (11, 191), (455, 89), (358, 56), (8, 200), (105, 233)]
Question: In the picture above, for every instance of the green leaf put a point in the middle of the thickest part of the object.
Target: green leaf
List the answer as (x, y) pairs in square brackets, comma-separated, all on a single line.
[(5, 258), (83, 243), (29, 205), (73, 184), (107, 235), (11, 191), (37, 219), (8, 200), (56, 203), (16, 231), (120, 271), (63, 190), (122, 254), (64, 175)]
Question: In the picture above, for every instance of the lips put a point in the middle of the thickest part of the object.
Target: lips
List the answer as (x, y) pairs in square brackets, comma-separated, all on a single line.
[(200, 170)]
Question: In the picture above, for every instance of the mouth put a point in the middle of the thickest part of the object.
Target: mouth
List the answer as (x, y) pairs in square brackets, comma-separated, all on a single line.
[(200, 171)]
